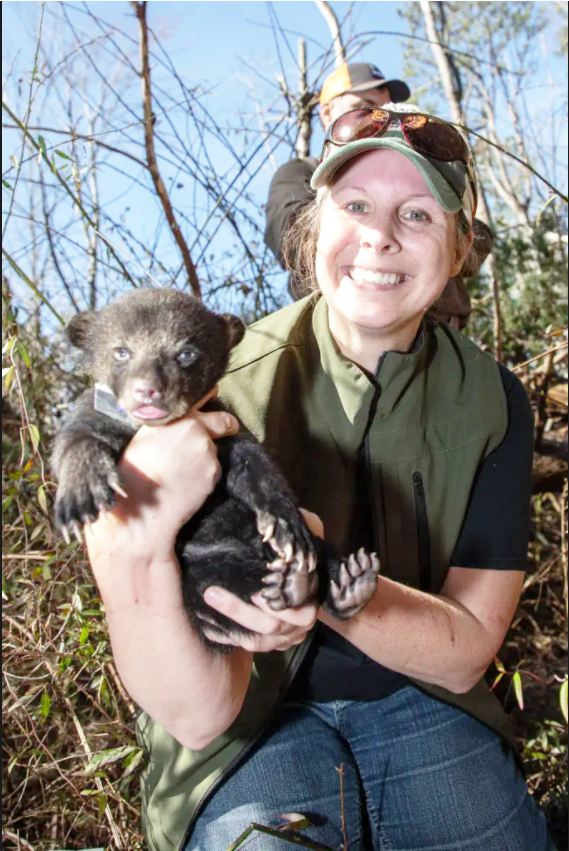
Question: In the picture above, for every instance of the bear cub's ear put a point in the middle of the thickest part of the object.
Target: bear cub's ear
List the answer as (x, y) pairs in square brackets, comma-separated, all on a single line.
[(235, 328), (77, 329)]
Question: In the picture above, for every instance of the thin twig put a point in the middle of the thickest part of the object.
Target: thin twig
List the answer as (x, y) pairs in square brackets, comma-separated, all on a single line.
[(564, 547), (15, 837), (539, 357)]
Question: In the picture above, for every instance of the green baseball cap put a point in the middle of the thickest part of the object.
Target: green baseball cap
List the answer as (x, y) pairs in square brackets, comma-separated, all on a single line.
[(452, 184)]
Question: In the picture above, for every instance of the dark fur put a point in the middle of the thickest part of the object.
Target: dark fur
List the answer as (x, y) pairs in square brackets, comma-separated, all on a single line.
[(223, 543)]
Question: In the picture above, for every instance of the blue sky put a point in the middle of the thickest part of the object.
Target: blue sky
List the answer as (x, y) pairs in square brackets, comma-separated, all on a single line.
[(224, 47)]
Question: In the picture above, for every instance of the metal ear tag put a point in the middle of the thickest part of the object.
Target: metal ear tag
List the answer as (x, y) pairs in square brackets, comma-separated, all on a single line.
[(106, 403)]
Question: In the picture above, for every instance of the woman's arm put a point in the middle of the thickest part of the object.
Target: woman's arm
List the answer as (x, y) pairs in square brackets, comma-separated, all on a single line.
[(447, 639), (167, 472), (195, 694)]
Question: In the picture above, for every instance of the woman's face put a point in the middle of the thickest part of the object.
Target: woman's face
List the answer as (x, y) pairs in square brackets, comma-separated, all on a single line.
[(385, 251)]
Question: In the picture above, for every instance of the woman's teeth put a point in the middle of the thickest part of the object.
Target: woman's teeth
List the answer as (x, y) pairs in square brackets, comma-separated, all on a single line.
[(383, 279)]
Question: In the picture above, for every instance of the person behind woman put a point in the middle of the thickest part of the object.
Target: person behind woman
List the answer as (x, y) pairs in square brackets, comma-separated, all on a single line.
[(402, 436)]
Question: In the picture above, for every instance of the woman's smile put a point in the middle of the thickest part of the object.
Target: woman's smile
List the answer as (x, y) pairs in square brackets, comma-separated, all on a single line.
[(376, 278)]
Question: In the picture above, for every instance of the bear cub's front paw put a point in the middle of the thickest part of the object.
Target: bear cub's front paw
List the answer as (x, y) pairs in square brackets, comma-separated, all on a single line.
[(289, 583), (88, 482), (284, 529)]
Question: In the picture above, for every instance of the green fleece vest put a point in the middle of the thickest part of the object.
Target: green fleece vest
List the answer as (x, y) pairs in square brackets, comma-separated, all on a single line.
[(422, 429)]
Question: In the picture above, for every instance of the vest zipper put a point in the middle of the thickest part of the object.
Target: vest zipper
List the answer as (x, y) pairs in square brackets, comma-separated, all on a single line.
[(366, 454), (423, 533), (293, 667)]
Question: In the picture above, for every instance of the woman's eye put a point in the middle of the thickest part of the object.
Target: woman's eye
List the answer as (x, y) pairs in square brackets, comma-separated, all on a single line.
[(356, 207), (187, 357), (121, 354), (416, 216)]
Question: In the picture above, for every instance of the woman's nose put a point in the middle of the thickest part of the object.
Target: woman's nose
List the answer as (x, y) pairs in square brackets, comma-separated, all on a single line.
[(379, 238)]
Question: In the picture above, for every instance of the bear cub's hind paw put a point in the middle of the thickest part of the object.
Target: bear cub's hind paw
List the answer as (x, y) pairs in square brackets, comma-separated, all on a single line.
[(354, 585)]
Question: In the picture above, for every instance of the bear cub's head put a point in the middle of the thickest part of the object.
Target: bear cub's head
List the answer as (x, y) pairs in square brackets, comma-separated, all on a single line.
[(159, 350)]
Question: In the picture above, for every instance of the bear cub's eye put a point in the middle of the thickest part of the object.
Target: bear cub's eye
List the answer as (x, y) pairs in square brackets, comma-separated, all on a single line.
[(121, 354), (187, 357)]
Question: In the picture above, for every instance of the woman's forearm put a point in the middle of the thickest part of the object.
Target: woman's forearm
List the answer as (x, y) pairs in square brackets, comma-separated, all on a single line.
[(443, 640), (167, 473), (162, 662)]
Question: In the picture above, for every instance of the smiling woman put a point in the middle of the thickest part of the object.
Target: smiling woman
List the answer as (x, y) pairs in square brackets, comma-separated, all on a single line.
[(405, 439)]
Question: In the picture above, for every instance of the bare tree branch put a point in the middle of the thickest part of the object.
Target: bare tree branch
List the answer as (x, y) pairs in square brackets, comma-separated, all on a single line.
[(140, 9), (305, 105), (334, 28)]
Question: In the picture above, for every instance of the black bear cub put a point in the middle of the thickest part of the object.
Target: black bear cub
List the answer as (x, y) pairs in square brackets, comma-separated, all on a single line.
[(154, 354)]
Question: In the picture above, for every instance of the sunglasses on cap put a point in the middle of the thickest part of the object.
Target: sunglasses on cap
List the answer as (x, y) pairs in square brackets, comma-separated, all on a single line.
[(425, 133), (428, 135)]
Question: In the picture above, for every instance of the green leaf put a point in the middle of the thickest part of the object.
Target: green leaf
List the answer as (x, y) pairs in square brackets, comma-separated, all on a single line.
[(84, 635), (107, 757), (38, 529), (24, 353), (563, 700), (62, 155), (102, 801), (132, 762), (8, 375), (6, 185), (45, 705), (518, 689), (499, 665), (42, 499), (42, 149), (34, 437), (496, 681)]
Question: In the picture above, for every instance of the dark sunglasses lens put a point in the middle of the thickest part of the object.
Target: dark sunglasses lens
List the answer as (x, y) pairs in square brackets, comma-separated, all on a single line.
[(359, 124), (439, 141)]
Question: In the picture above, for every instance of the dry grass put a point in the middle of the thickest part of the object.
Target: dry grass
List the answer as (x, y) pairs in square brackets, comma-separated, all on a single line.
[(62, 701)]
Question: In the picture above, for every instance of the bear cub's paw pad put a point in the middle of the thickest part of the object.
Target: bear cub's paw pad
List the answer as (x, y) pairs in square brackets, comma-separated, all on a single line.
[(289, 584), (356, 585)]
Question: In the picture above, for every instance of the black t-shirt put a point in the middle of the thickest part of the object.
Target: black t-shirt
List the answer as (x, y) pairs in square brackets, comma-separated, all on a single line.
[(494, 536)]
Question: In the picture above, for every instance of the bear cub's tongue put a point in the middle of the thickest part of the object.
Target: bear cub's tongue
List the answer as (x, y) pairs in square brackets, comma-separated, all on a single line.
[(149, 412)]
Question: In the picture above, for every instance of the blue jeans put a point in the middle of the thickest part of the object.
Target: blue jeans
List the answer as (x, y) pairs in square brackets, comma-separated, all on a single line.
[(418, 775)]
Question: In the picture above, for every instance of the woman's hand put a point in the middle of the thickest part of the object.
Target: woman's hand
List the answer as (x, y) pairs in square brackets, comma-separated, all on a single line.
[(169, 471), (270, 630)]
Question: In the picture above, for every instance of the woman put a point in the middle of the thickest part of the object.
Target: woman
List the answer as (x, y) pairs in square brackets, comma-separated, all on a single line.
[(401, 436)]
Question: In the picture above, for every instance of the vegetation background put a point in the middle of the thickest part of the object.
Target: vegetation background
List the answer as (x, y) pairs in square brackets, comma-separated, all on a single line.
[(120, 169)]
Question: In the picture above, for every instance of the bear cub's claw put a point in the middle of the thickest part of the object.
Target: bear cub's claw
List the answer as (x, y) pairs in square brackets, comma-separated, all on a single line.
[(289, 539)]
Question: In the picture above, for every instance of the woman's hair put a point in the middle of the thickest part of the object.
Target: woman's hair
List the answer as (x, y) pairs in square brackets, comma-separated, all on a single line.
[(299, 244), (301, 238)]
